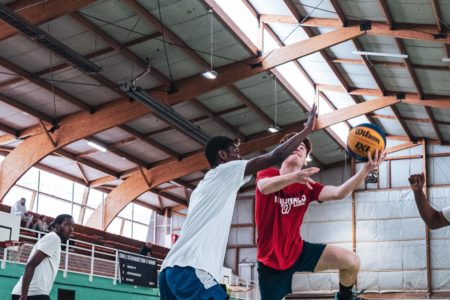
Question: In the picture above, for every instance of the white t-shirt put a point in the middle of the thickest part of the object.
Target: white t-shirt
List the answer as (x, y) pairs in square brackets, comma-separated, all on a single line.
[(18, 209), (45, 272), (203, 238), (446, 213)]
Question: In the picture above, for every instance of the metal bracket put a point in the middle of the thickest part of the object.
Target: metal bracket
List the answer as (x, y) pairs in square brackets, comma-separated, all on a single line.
[(365, 25)]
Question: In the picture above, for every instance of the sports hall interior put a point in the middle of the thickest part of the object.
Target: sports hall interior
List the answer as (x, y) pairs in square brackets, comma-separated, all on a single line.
[(106, 106)]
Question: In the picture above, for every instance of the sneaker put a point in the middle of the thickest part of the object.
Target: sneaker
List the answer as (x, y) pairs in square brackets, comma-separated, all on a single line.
[(355, 295)]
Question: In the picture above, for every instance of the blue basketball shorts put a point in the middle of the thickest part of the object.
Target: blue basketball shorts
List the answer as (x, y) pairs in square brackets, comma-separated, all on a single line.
[(187, 283)]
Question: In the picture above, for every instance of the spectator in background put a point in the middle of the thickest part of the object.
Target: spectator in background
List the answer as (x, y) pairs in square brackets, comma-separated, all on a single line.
[(146, 249), (19, 209), (41, 224), (51, 226)]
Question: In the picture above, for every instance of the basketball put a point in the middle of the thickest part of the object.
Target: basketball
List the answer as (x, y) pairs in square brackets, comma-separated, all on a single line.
[(364, 138)]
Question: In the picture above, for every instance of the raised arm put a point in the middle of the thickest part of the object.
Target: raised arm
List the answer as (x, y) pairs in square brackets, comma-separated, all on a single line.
[(432, 217), (280, 153), (330, 192), (37, 258)]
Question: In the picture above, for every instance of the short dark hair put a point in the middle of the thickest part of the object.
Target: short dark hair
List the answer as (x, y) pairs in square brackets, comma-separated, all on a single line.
[(60, 219), (213, 146), (306, 141)]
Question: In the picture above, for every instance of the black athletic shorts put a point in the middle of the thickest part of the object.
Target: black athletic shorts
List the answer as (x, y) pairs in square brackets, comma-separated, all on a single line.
[(38, 297), (276, 284)]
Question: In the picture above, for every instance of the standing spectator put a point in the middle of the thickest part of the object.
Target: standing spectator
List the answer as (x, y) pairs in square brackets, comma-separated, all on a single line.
[(41, 224), (19, 209), (146, 249), (43, 263)]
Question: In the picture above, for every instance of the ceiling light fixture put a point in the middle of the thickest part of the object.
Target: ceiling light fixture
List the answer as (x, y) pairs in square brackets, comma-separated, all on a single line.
[(46, 40), (166, 113), (211, 74), (274, 128), (380, 54), (97, 146)]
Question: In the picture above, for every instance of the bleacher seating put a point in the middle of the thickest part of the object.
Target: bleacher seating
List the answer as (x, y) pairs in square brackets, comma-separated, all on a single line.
[(99, 237)]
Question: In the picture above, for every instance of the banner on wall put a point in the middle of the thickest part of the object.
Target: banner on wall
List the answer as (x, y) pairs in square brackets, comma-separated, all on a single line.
[(137, 270)]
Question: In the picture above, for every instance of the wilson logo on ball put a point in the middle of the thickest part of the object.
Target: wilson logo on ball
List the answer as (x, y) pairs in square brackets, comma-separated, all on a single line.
[(366, 134), (365, 139)]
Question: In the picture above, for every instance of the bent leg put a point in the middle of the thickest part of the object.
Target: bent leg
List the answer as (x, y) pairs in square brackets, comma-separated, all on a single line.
[(345, 261)]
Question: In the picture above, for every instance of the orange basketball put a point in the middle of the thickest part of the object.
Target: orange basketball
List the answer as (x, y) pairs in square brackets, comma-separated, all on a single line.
[(363, 139)]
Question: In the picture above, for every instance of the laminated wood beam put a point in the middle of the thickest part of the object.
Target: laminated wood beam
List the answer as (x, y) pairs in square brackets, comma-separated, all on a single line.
[(136, 185)]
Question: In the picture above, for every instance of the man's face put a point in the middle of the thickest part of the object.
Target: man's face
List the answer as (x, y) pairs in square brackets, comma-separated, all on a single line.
[(298, 156), (23, 201), (65, 230), (233, 153)]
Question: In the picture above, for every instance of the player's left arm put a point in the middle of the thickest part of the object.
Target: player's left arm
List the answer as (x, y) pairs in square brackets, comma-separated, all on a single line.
[(330, 192)]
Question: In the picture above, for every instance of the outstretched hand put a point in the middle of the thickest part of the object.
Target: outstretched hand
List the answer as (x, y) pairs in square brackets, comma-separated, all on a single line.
[(303, 176), (311, 122), (416, 181), (376, 161)]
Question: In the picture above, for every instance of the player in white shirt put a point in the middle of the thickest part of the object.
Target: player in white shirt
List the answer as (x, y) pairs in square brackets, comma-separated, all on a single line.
[(43, 262), (434, 219), (192, 268)]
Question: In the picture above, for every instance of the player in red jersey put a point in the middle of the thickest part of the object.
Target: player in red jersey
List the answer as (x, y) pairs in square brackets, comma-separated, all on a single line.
[(282, 198)]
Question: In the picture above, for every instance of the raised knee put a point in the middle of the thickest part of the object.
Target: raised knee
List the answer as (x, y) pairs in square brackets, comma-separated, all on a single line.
[(355, 262)]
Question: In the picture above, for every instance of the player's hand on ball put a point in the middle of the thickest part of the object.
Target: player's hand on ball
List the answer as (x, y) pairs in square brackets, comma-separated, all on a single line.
[(374, 162)]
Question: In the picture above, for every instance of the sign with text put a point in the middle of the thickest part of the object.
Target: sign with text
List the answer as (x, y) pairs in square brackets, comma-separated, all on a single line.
[(137, 270)]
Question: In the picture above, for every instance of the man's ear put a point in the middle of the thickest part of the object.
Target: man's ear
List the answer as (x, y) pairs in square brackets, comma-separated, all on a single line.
[(222, 154)]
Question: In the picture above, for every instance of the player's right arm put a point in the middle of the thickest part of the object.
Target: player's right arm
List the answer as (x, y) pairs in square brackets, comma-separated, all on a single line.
[(280, 153), (274, 184), (37, 258)]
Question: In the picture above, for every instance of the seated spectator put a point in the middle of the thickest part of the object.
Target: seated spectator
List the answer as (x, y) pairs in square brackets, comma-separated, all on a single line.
[(41, 224), (146, 249), (19, 209), (51, 226)]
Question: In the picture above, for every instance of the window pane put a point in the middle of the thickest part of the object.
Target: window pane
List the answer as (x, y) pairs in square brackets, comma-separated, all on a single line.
[(30, 179), (87, 215), (142, 214), (56, 186), (78, 193), (127, 229), (127, 212), (15, 193), (140, 232), (95, 198), (52, 207), (76, 212), (114, 227)]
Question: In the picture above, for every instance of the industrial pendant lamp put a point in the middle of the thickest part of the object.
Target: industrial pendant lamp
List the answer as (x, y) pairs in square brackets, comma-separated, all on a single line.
[(211, 74), (274, 128)]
